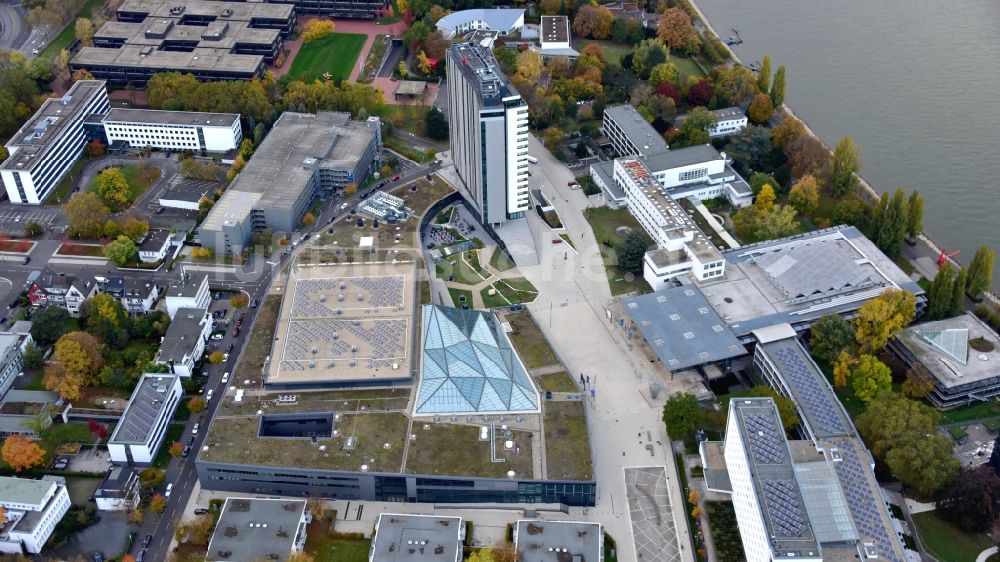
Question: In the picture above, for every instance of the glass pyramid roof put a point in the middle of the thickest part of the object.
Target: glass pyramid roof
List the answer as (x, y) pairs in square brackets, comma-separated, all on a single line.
[(469, 366), (953, 342)]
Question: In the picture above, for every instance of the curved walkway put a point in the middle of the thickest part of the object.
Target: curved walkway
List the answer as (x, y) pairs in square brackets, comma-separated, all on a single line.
[(984, 555)]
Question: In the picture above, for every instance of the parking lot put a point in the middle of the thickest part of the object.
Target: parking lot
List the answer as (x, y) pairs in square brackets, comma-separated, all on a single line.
[(14, 217)]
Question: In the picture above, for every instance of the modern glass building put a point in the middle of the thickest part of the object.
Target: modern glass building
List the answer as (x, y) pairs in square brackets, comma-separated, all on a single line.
[(469, 366)]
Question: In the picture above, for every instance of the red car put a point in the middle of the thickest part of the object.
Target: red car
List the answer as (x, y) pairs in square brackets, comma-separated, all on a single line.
[(236, 333), (557, 240), (395, 178)]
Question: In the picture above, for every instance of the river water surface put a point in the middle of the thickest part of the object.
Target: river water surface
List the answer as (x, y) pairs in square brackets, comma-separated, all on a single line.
[(916, 82)]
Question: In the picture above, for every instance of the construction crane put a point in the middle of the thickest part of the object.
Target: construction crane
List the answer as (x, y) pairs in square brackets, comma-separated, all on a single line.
[(945, 255)]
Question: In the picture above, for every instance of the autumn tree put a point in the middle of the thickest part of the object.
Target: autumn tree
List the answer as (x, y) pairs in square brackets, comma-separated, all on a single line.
[(351, 188), (883, 317), (917, 384), (760, 109), (317, 29), (85, 214), (788, 129), (846, 163), (151, 478), (594, 22), (308, 219), (869, 377), (551, 7), (176, 449), (676, 31), (778, 88), (804, 195), (700, 93), (215, 357), (529, 65), (682, 415), (957, 295), (925, 462), (765, 220), (106, 318), (734, 84), (84, 28), (197, 405), (121, 251), (75, 361), (239, 300), (764, 75), (157, 503), (137, 516), (972, 502), (20, 453), (980, 271), (135, 228), (113, 187), (808, 155), (842, 368), (829, 336)]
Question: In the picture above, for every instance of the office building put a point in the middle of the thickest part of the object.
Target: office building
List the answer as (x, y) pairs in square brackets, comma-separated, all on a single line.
[(537, 540), (505, 21), (44, 149), (255, 528), (630, 134), (210, 40), (960, 356), (191, 292), (728, 121), (11, 358), (417, 538), (143, 425), (305, 156), (182, 346), (168, 130), (489, 135), (348, 9), (119, 491), (32, 510)]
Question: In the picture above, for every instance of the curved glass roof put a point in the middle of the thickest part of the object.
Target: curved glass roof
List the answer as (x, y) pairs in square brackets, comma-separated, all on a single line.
[(469, 366)]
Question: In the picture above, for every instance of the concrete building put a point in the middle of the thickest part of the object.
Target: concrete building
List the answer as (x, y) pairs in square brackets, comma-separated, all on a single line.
[(154, 246), (182, 346), (169, 130), (23, 405), (48, 144), (729, 121), (537, 540), (11, 358), (254, 528), (33, 508), (555, 39), (960, 356), (349, 9), (191, 292), (417, 538), (64, 291), (630, 134), (505, 21), (305, 156), (385, 207), (681, 246), (489, 135), (210, 40), (119, 491), (143, 425)]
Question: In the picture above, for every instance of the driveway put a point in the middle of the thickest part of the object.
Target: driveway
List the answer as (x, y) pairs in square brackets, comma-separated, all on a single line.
[(107, 535)]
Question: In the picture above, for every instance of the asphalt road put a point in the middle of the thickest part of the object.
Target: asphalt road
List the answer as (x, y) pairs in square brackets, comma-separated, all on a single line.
[(13, 29)]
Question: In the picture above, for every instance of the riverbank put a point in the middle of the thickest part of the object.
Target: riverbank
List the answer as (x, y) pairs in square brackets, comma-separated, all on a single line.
[(866, 188)]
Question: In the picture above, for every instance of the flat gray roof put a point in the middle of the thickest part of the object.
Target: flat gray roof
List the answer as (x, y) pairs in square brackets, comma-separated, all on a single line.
[(155, 31), (680, 157), (161, 117), (773, 476), (178, 61), (555, 29), (256, 529), (154, 241), (230, 11), (144, 407), (182, 334), (47, 125), (481, 69), (941, 346), (24, 490), (558, 541), (417, 538), (189, 289), (635, 127), (682, 328)]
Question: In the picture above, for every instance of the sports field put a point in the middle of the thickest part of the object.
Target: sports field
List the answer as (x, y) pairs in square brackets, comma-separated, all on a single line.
[(336, 54)]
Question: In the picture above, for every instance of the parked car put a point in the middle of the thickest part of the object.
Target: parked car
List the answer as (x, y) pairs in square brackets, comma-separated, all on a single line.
[(225, 377), (225, 357), (236, 333), (187, 451), (200, 511), (98, 556), (217, 336), (141, 556), (190, 441), (209, 395), (148, 540), (170, 488), (160, 210), (194, 429), (395, 178), (557, 240), (254, 305)]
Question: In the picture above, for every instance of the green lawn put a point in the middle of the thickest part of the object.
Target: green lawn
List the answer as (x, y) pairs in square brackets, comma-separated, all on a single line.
[(68, 34), (399, 145), (425, 292), (410, 118), (496, 300), (456, 266), (946, 542), (725, 535), (455, 293), (499, 261), (529, 341), (980, 411), (556, 382), (687, 67), (516, 290), (138, 176), (566, 441), (613, 52), (59, 195), (334, 54)]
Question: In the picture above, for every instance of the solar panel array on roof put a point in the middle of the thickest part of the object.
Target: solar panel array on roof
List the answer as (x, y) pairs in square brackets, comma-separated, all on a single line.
[(862, 501), (766, 443), (783, 507), (821, 409), (143, 410)]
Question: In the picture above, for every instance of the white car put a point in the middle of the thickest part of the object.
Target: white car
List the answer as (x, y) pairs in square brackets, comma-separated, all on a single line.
[(194, 429), (170, 488), (209, 395), (343, 206), (225, 357), (218, 336), (225, 377)]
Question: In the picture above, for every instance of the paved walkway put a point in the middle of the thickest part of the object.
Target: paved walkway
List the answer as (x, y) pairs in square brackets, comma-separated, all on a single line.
[(984, 555), (485, 254)]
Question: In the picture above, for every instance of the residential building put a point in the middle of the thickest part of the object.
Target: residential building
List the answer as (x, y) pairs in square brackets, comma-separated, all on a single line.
[(119, 491), (11, 358), (33, 508), (191, 292), (489, 135), (305, 156), (255, 528), (505, 21), (64, 291), (182, 346), (537, 540), (210, 40), (154, 246), (143, 425), (729, 121), (423, 538), (681, 246), (44, 149), (960, 356), (555, 39), (138, 295), (630, 134), (168, 130)]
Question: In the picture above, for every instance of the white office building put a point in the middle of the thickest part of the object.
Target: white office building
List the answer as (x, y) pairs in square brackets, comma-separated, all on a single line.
[(681, 247), (33, 508), (630, 134), (173, 130), (489, 134), (728, 121), (47, 146), (191, 292), (11, 358), (184, 343), (504, 21), (143, 425)]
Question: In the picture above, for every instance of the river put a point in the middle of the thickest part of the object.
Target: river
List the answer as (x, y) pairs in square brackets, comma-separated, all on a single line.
[(915, 82)]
